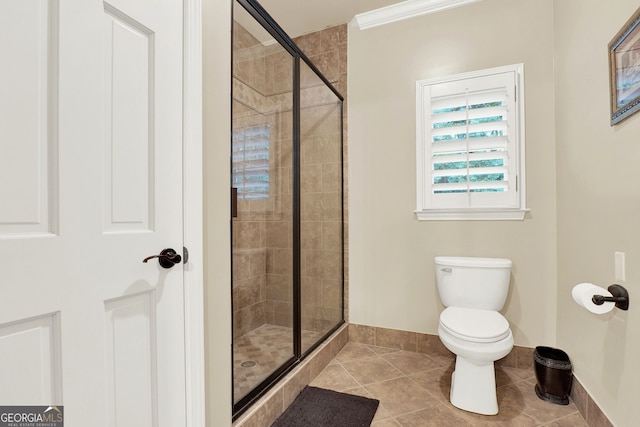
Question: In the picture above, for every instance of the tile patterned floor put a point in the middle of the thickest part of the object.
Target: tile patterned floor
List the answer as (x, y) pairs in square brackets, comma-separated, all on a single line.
[(413, 389), (260, 352)]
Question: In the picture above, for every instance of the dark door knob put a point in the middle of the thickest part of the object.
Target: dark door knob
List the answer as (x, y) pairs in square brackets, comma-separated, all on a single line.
[(167, 258)]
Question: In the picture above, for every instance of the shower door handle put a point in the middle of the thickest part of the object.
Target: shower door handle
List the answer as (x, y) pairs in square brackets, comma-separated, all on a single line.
[(234, 202)]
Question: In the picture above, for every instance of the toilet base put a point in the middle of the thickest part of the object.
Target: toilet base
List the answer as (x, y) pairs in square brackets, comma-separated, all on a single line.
[(473, 387)]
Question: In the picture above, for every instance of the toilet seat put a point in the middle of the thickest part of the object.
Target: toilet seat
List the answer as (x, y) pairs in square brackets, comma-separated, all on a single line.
[(474, 325)]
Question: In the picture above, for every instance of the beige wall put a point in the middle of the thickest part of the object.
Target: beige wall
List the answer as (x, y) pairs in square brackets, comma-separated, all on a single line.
[(217, 119), (598, 205), (391, 278)]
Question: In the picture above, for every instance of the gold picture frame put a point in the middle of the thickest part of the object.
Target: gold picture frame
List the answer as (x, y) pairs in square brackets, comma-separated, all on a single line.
[(624, 70)]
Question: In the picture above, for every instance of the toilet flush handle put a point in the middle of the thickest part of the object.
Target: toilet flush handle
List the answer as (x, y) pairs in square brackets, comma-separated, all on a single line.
[(447, 270)]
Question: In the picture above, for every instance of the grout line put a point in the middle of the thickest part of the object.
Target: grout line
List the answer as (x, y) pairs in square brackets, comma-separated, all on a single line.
[(349, 373), (428, 392), (381, 381), (561, 418)]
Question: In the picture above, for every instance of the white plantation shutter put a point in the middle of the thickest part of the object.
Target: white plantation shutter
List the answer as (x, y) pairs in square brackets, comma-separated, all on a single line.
[(250, 162), (470, 145)]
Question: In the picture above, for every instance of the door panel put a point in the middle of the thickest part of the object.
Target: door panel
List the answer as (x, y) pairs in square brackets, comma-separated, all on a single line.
[(91, 136), (31, 346), (130, 361), (28, 203), (128, 123)]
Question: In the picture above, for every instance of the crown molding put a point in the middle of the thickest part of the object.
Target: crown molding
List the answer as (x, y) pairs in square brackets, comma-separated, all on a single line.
[(404, 10)]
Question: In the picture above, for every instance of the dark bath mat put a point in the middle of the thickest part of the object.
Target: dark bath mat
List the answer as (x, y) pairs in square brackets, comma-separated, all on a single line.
[(317, 407)]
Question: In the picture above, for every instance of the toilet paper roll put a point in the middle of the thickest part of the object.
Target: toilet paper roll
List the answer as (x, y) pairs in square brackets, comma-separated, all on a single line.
[(583, 293)]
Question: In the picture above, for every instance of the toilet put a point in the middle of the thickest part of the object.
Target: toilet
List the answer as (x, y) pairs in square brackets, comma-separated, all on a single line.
[(473, 290)]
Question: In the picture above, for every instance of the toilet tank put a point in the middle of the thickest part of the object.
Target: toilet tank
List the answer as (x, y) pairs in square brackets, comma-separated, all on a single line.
[(473, 282)]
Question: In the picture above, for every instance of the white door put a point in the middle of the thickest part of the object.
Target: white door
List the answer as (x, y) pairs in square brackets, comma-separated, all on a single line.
[(90, 185)]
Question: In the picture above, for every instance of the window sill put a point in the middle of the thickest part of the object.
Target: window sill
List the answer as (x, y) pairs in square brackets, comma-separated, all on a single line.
[(471, 214)]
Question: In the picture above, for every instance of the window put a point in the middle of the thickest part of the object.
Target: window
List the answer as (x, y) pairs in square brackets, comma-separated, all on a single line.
[(250, 162), (470, 145)]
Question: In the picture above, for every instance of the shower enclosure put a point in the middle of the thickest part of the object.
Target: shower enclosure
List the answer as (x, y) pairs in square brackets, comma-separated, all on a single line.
[(287, 204)]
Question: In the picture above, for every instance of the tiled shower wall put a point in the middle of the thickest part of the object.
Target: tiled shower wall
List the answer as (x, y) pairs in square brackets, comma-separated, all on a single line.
[(320, 158), (262, 234)]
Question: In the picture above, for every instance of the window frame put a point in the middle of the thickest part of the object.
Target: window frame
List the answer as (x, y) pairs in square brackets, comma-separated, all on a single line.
[(424, 177)]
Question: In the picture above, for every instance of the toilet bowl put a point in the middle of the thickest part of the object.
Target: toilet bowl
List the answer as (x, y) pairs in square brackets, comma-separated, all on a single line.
[(478, 338), (474, 290)]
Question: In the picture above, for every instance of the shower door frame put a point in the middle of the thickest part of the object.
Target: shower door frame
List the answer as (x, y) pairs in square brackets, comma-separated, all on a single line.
[(270, 25)]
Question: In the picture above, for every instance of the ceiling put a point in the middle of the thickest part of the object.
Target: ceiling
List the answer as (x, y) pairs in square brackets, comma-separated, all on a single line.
[(298, 17)]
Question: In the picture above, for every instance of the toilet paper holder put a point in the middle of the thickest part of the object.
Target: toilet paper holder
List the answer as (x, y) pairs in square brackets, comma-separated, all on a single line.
[(620, 297)]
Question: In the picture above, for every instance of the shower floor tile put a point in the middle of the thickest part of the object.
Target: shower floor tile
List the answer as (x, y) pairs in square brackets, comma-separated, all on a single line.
[(260, 352)]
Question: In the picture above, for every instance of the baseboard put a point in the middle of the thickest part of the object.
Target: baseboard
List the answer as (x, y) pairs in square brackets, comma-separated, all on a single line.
[(587, 407), (520, 357)]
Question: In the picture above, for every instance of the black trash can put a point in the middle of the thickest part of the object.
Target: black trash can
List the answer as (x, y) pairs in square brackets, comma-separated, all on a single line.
[(554, 375)]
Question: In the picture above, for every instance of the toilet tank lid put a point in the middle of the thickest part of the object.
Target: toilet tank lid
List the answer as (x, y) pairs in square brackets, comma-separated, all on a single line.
[(456, 261)]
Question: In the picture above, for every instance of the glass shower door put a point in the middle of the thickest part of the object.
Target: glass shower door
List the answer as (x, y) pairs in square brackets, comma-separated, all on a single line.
[(321, 208), (287, 185), (261, 173)]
